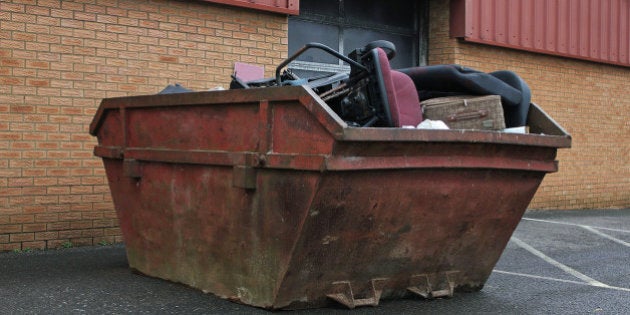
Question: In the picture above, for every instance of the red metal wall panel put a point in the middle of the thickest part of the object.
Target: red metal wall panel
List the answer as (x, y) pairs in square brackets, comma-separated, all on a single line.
[(280, 6), (596, 30)]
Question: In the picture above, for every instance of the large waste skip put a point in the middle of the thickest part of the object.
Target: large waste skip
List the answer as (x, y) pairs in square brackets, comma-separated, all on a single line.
[(266, 197)]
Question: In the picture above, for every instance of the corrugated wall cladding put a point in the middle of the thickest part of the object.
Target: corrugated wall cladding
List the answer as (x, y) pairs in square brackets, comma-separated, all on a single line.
[(280, 6), (597, 30)]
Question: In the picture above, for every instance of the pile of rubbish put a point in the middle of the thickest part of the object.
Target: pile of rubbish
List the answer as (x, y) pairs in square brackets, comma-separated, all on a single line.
[(374, 95)]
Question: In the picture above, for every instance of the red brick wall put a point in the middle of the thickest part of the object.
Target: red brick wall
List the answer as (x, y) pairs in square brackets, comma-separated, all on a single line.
[(58, 59), (590, 100)]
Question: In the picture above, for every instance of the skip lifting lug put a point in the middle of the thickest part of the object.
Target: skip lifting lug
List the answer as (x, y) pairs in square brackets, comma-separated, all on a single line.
[(430, 286), (342, 293)]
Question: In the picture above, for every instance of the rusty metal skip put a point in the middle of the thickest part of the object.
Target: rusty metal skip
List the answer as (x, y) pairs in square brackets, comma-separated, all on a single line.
[(268, 198)]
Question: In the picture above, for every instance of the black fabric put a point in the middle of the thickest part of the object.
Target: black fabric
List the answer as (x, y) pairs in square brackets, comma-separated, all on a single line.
[(448, 80), (515, 115)]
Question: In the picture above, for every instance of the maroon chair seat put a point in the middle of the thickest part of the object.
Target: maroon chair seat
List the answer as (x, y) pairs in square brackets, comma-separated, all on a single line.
[(401, 94)]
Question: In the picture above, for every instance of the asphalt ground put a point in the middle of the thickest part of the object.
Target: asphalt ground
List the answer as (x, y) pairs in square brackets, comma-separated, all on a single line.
[(557, 262)]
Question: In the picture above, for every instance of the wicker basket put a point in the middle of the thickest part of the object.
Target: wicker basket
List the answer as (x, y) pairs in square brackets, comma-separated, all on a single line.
[(466, 111)]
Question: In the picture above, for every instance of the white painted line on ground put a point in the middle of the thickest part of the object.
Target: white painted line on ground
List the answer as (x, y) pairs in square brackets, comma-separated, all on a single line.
[(580, 225), (558, 280), (604, 235), (556, 263), (592, 229), (538, 277)]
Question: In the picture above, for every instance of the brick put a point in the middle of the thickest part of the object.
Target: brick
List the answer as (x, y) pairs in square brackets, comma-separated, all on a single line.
[(45, 181), (70, 199), (34, 209), (104, 223), (10, 228), (69, 234), (70, 216), (46, 235), (58, 226), (12, 191), (47, 20), (6, 62), (111, 231), (95, 8), (20, 181), (21, 219), (13, 155), (62, 190), (46, 217), (43, 200), (38, 83), (84, 16), (19, 145), (21, 237), (16, 202), (11, 7), (92, 233), (34, 227)]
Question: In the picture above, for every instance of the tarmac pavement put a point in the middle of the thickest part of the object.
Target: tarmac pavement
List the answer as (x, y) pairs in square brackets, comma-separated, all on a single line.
[(557, 262)]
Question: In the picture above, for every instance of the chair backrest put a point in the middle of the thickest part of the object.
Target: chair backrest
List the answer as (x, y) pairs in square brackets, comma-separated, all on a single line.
[(402, 96), (248, 72), (398, 92)]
